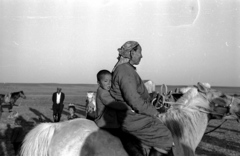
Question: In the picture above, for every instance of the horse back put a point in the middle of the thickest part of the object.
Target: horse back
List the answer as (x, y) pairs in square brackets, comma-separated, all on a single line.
[(81, 137)]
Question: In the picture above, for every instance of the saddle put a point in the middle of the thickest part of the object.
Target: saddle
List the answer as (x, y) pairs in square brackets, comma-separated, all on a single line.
[(163, 101)]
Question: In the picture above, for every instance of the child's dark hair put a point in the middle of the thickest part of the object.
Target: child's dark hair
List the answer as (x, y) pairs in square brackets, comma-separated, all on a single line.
[(73, 107), (102, 73)]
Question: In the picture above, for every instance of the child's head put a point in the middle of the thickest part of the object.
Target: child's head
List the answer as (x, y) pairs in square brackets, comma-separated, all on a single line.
[(71, 109), (18, 120), (104, 79)]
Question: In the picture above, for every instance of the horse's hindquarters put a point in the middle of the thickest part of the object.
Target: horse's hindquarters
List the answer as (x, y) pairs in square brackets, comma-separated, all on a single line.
[(81, 137), (101, 143)]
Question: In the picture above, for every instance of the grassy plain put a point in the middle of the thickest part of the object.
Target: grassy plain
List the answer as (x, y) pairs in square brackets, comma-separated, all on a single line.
[(222, 142)]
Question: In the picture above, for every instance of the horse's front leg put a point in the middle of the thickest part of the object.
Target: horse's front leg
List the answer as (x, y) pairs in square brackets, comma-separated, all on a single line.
[(1, 110)]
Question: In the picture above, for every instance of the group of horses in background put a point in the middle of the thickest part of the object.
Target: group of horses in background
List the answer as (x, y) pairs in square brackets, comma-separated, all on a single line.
[(186, 116), (9, 100)]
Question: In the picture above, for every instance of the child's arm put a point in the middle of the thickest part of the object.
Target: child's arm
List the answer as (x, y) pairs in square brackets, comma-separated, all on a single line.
[(109, 101)]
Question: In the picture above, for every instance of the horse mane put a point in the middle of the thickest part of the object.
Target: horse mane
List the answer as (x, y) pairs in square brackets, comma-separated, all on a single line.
[(16, 93), (41, 133), (182, 118)]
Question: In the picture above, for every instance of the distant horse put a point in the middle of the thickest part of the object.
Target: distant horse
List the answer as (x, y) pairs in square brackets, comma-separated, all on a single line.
[(90, 105), (150, 85), (10, 99), (187, 120)]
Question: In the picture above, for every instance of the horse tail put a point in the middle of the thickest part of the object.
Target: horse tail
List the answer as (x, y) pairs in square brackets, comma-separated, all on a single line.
[(38, 140)]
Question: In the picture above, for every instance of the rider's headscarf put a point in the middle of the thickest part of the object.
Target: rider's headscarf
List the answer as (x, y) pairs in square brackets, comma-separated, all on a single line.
[(124, 52)]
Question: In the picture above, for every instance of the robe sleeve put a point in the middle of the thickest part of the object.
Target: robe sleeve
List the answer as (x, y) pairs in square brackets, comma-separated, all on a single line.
[(128, 87), (109, 101)]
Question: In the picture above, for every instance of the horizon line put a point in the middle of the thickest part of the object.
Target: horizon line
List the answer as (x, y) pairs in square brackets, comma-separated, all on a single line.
[(96, 84)]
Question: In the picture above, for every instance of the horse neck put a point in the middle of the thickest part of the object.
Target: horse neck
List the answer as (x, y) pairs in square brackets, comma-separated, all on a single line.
[(187, 123), (194, 131), (15, 95), (198, 109)]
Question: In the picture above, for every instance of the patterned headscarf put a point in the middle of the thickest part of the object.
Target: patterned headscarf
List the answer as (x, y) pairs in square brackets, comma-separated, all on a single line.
[(124, 53)]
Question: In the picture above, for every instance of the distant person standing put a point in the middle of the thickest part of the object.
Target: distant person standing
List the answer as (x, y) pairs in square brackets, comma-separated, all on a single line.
[(17, 135), (57, 99)]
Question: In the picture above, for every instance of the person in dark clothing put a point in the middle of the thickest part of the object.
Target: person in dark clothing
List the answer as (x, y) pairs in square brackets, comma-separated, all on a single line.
[(141, 119), (57, 99), (17, 136)]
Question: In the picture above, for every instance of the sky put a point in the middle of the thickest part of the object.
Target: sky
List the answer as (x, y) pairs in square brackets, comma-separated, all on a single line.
[(69, 41)]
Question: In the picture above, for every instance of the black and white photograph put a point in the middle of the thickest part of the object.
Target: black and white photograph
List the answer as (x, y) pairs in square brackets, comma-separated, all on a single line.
[(119, 77)]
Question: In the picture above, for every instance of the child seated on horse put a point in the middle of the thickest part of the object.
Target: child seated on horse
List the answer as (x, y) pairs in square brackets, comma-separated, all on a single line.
[(106, 116), (107, 109), (72, 110)]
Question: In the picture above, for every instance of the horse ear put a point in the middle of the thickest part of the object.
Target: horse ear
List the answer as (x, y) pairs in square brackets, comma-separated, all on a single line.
[(202, 88), (161, 89), (169, 93), (177, 90)]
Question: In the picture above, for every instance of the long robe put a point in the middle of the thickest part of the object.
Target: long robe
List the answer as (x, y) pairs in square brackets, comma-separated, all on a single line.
[(140, 120)]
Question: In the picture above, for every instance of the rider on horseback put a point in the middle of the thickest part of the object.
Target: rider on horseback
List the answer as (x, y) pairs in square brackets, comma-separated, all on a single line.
[(139, 119)]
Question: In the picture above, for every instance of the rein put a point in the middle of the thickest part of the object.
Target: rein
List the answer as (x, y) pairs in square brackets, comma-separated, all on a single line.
[(163, 102), (215, 128), (229, 105)]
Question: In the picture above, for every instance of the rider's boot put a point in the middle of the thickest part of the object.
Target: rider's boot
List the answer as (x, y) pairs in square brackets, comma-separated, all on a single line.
[(133, 150), (59, 117)]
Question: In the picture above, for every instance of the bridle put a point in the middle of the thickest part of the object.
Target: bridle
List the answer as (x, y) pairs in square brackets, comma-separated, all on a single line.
[(228, 106), (160, 101), (167, 104)]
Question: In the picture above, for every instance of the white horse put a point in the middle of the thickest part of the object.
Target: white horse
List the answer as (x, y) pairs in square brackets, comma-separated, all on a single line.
[(187, 120)]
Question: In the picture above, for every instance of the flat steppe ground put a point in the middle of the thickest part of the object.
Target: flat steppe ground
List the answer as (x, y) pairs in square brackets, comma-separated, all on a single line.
[(222, 142)]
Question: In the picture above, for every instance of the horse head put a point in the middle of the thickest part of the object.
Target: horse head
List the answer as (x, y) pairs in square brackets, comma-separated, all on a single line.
[(22, 95), (91, 101), (188, 117), (229, 105), (223, 106)]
